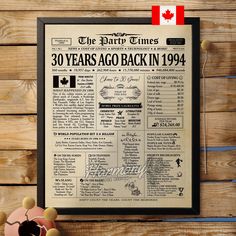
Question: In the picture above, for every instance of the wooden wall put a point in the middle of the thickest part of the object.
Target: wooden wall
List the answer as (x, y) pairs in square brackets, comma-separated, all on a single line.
[(18, 114)]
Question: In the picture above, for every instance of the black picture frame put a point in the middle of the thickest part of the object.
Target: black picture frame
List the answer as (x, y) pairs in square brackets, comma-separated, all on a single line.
[(195, 209)]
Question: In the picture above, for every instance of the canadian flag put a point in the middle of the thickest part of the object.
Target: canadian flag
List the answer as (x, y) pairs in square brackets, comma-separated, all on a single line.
[(168, 15)]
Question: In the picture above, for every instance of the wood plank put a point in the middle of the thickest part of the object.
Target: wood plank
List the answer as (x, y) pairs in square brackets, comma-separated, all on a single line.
[(19, 96), (12, 196), (221, 129), (19, 132), (212, 204), (220, 94), (112, 5), (20, 27), (20, 62), (221, 165), (221, 59), (146, 228), (15, 166)]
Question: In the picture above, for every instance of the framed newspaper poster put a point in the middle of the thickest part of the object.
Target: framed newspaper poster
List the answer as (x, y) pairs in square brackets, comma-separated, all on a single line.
[(118, 116)]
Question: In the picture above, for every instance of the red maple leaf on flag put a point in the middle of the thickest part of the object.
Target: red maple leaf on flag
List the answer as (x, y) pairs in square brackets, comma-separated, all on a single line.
[(167, 15)]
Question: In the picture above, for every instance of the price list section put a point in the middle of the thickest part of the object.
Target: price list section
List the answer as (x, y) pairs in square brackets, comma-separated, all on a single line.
[(165, 95)]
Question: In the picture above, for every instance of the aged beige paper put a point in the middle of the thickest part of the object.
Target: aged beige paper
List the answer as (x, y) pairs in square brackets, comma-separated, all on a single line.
[(118, 116)]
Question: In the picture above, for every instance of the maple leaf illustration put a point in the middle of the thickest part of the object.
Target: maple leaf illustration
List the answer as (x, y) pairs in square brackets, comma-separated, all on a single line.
[(167, 15), (64, 81)]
